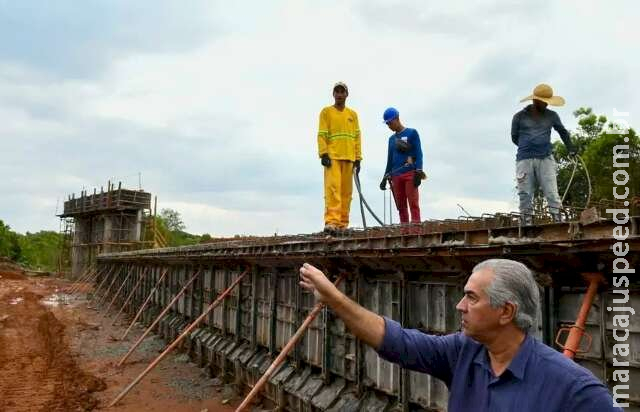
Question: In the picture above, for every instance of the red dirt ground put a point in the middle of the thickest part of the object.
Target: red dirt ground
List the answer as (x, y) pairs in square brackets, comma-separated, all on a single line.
[(60, 356)]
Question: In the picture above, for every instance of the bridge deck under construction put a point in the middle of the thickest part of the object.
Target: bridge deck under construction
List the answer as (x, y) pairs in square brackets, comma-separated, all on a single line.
[(413, 274)]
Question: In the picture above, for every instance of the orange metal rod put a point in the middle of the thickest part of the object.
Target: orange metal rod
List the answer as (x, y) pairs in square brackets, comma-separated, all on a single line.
[(103, 281), (144, 305), (572, 345), (104, 298), (126, 301), (80, 278), (284, 352), (90, 278), (182, 336), (115, 296), (158, 318)]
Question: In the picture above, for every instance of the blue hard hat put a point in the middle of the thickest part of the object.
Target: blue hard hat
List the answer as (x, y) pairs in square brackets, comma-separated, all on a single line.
[(390, 114)]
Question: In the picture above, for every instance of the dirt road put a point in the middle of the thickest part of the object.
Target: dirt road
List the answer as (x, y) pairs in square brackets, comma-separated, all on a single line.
[(58, 355)]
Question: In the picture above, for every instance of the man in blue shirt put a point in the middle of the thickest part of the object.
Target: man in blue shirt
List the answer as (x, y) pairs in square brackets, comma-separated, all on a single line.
[(494, 364), (531, 132), (404, 166)]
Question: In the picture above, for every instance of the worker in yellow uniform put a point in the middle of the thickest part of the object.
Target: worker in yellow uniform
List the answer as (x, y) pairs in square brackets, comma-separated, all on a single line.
[(340, 153)]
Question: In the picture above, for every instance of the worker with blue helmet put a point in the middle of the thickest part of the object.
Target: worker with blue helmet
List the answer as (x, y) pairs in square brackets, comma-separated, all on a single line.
[(404, 166)]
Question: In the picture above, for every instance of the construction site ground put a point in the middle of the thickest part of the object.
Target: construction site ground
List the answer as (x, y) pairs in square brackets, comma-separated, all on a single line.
[(57, 354)]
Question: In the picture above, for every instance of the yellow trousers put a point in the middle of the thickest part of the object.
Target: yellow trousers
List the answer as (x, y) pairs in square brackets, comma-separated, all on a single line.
[(338, 187)]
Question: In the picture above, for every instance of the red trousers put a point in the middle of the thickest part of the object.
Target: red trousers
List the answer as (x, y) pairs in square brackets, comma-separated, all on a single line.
[(406, 194)]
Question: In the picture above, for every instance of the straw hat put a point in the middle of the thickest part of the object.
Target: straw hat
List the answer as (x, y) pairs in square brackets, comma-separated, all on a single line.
[(544, 92)]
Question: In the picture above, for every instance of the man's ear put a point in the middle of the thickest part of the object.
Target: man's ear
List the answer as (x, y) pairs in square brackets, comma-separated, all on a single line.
[(508, 313)]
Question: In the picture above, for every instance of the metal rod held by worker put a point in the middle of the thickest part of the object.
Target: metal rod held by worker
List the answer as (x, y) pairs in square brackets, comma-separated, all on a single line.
[(182, 336), (158, 318), (285, 351), (144, 305), (115, 296), (126, 301)]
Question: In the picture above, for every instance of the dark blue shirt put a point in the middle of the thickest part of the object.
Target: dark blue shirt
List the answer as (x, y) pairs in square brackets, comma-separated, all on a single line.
[(397, 160), (532, 134), (538, 378)]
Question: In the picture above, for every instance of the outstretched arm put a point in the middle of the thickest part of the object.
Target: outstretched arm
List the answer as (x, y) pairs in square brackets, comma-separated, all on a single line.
[(409, 348), (364, 324)]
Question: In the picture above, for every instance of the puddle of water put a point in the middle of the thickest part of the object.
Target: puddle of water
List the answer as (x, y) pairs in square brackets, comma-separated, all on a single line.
[(56, 299), (15, 301)]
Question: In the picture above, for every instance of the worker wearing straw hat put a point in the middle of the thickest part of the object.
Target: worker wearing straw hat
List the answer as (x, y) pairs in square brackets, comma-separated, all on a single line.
[(535, 165)]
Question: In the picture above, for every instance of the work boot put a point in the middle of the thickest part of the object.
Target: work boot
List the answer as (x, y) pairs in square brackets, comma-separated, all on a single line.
[(343, 231), (330, 229)]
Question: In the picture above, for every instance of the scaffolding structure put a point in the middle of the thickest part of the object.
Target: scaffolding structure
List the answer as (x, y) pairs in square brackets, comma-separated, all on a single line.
[(111, 221)]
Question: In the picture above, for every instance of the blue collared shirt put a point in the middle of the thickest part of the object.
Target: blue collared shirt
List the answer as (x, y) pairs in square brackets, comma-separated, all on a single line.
[(538, 378), (532, 134)]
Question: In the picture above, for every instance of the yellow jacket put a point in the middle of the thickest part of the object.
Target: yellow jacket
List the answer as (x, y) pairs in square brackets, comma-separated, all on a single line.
[(339, 134)]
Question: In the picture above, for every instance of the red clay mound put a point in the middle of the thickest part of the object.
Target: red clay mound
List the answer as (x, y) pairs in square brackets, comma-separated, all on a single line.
[(37, 371), (10, 270)]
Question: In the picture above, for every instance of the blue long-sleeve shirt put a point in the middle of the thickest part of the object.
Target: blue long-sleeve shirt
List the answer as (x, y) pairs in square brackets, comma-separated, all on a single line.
[(532, 134), (397, 160), (537, 379)]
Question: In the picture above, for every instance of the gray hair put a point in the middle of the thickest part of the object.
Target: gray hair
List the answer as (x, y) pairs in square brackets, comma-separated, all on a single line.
[(513, 282)]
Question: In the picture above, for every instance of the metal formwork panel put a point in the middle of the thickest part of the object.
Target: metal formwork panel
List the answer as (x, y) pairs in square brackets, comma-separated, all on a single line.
[(172, 288), (263, 308), (181, 306), (245, 298), (342, 344), (232, 304), (431, 308), (285, 308), (208, 294), (312, 342), (219, 284), (382, 297)]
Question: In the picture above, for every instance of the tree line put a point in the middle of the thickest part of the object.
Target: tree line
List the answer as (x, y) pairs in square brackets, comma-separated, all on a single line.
[(42, 250)]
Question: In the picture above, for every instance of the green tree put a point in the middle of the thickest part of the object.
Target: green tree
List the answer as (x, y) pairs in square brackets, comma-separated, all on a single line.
[(169, 223), (594, 139), (41, 250), (9, 242), (172, 219)]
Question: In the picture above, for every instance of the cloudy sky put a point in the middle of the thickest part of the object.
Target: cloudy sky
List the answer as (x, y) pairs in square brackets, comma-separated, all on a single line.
[(215, 104)]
